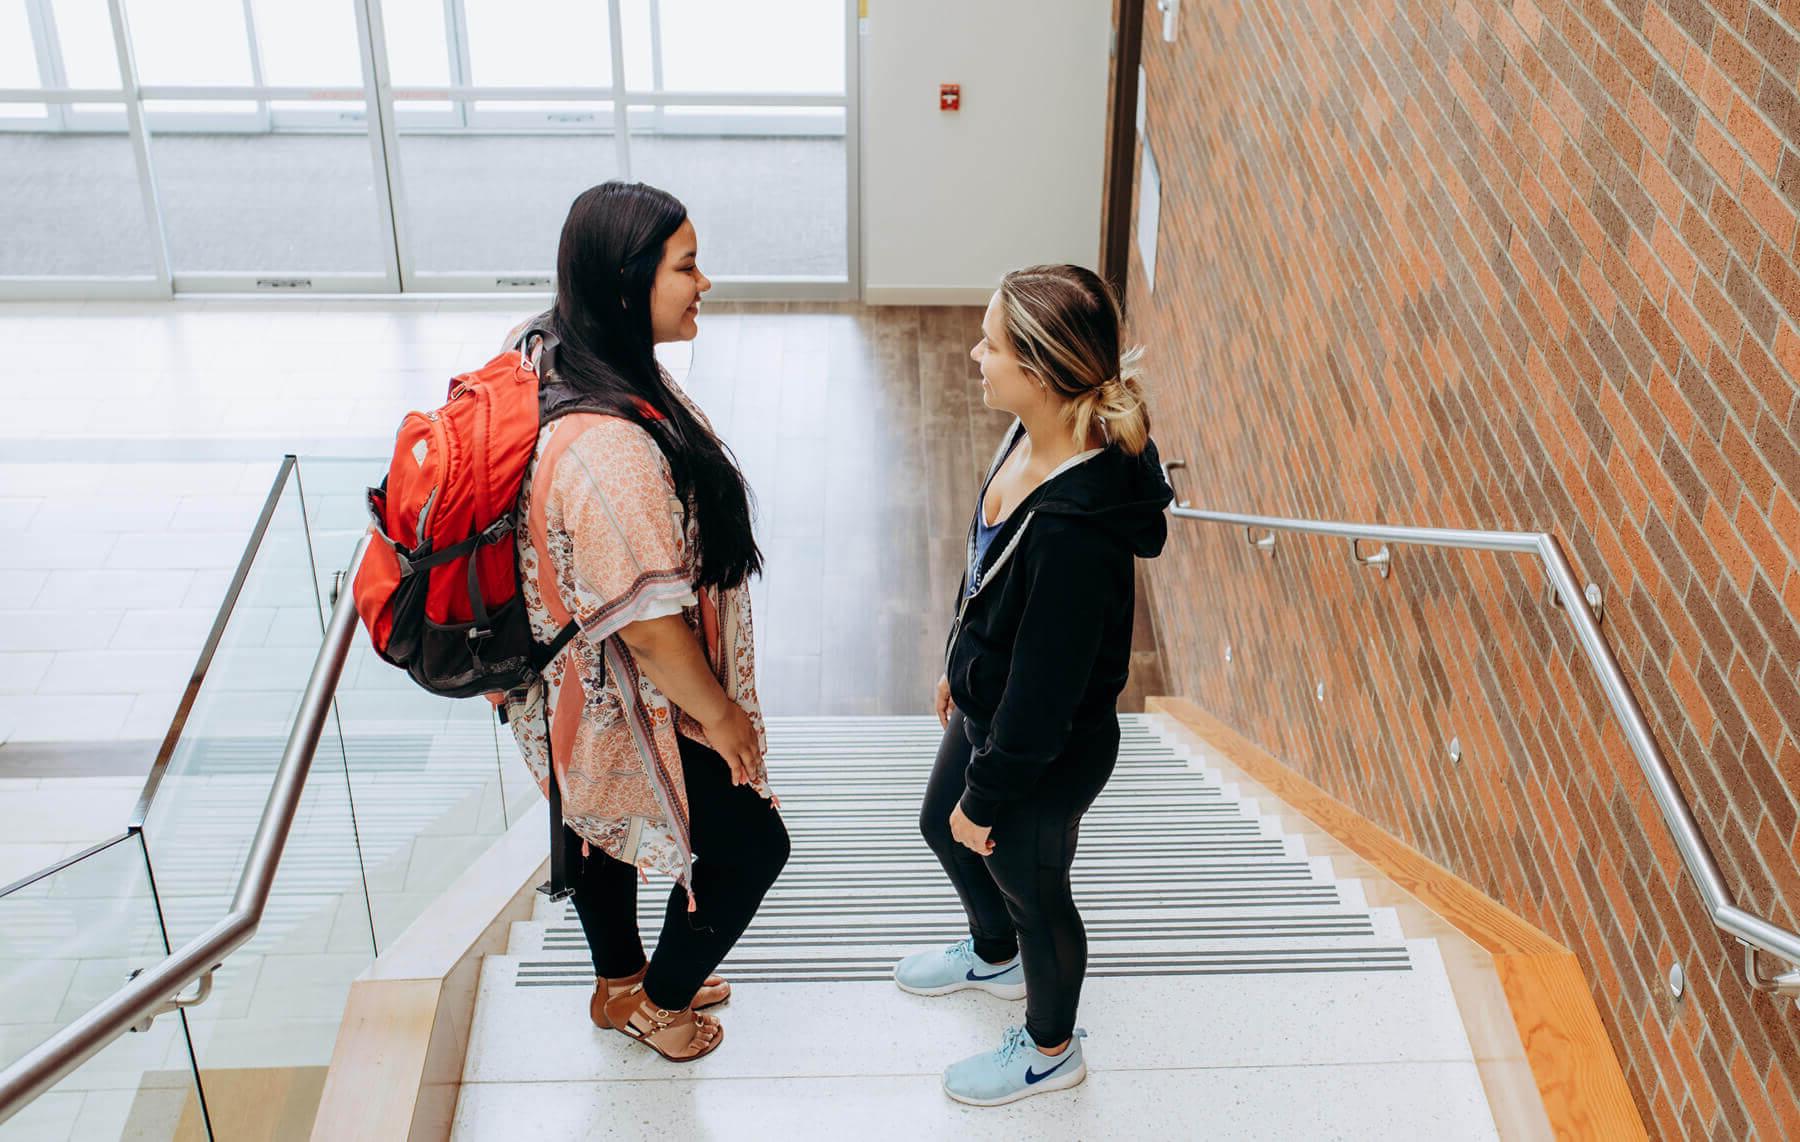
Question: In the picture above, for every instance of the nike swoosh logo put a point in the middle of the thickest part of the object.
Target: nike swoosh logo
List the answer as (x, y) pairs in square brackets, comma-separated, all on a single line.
[(973, 978), (1032, 1077)]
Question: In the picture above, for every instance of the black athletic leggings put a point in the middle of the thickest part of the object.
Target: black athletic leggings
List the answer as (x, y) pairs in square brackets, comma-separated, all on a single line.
[(740, 846), (1018, 899)]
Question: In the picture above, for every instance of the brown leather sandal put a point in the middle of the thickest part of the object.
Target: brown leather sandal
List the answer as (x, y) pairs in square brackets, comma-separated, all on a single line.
[(678, 1036), (715, 992), (605, 989)]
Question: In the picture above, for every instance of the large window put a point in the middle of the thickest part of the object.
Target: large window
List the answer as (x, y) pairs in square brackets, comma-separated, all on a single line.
[(150, 146)]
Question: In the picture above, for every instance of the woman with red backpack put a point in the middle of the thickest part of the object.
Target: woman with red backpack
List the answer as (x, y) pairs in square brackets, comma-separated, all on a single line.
[(634, 522)]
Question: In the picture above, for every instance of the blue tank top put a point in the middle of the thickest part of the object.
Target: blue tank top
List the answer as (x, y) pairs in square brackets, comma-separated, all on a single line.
[(984, 534), (984, 539)]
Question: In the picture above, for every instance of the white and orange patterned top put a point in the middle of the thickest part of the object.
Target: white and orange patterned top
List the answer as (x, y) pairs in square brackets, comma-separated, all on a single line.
[(606, 540)]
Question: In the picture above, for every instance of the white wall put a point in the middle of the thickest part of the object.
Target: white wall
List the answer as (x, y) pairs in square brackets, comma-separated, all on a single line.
[(951, 201)]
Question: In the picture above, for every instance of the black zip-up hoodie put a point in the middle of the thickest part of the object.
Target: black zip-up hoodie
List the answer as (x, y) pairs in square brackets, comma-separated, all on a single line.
[(1041, 652)]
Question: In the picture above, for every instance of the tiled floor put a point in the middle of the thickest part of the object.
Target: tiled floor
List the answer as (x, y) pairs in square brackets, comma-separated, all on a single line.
[(109, 599), (139, 445), (43, 820)]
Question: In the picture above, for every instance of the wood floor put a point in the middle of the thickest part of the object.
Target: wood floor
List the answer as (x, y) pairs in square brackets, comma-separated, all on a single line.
[(864, 436)]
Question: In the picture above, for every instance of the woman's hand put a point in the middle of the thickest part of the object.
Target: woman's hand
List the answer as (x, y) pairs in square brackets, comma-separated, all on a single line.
[(733, 735), (977, 838), (670, 654), (941, 702)]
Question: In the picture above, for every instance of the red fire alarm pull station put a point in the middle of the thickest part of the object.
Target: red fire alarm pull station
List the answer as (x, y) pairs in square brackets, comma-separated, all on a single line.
[(950, 97)]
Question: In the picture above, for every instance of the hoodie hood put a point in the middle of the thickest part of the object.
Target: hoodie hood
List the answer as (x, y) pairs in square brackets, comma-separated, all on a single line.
[(1123, 496)]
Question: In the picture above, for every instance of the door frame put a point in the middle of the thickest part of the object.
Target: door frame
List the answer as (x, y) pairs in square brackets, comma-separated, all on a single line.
[(1121, 145)]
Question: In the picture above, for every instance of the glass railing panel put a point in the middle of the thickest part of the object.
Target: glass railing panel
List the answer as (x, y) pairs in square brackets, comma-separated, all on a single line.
[(436, 781), (264, 1038), (68, 939)]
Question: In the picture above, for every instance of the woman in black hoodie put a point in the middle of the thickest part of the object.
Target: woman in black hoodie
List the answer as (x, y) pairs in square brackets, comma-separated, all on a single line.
[(1035, 662)]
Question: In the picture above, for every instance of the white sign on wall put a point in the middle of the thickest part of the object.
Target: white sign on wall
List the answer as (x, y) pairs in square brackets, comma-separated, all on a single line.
[(1149, 212)]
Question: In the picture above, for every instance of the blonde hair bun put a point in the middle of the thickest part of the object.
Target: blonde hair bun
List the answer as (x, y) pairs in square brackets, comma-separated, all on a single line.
[(1064, 324)]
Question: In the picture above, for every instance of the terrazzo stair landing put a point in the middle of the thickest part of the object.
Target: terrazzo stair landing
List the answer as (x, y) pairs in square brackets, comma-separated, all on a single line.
[(1236, 988)]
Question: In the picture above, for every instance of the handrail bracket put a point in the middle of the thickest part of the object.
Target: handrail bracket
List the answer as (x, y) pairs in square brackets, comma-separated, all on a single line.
[(202, 992), (1594, 596), (1785, 984), (1171, 466), (1381, 561)]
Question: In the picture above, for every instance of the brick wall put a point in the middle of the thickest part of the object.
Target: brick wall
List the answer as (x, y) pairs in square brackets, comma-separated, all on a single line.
[(1522, 266)]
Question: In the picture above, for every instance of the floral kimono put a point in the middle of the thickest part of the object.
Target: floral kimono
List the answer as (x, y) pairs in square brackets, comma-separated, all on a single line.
[(606, 541)]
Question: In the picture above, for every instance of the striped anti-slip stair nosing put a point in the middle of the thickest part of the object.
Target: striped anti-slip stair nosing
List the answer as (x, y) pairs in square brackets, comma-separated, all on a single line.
[(1161, 902), (1090, 833), (1087, 894), (1120, 928), (1212, 856), (924, 897), (561, 973), (1246, 926), (1165, 850), (949, 933)]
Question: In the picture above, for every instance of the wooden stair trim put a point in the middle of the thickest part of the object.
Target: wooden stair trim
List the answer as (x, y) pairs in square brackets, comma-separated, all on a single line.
[(396, 1068), (1572, 1061)]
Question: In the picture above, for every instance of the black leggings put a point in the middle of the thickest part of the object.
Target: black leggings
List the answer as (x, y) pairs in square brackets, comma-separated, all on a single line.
[(740, 846), (1018, 899)]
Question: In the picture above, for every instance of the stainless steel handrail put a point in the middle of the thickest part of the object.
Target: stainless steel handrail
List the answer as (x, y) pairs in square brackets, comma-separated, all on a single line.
[(157, 989), (1752, 931)]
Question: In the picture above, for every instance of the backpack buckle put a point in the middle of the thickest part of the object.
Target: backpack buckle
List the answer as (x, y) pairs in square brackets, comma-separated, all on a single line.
[(496, 531), (530, 349)]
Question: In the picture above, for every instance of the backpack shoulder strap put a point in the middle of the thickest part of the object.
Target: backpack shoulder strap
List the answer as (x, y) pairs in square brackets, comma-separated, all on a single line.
[(536, 344), (543, 654)]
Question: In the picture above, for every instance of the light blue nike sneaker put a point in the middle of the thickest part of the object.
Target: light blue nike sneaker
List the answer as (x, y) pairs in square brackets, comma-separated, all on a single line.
[(1014, 1070), (957, 968)]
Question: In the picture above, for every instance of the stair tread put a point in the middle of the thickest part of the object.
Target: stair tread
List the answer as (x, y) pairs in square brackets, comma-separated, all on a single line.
[(1376, 1102)]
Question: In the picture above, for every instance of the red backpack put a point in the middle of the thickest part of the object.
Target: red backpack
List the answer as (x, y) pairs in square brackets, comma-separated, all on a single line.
[(439, 586)]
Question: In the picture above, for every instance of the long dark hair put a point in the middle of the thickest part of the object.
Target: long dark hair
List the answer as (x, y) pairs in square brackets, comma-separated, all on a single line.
[(606, 263)]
